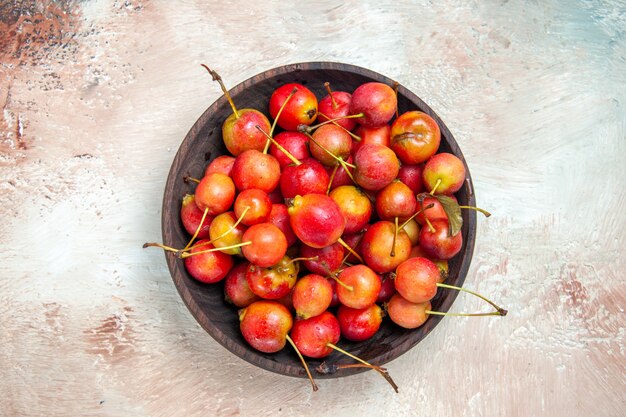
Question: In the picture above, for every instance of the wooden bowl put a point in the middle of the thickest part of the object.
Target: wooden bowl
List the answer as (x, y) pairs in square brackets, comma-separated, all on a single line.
[(204, 142)]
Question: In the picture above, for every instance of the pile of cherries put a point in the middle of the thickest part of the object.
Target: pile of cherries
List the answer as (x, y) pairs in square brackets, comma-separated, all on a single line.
[(320, 230)]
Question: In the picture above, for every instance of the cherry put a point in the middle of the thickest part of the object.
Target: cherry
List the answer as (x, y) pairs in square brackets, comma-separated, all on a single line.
[(321, 261), (395, 200), (273, 282), (257, 205), (415, 137), (376, 101), (416, 280), (296, 143), (314, 336), (207, 267), (254, 169), (387, 287), (444, 173), (438, 243), (307, 177), (279, 217), (239, 129), (359, 286), (380, 135), (276, 197), (442, 264), (358, 325), (301, 108), (215, 193), (355, 206), (378, 247), (222, 164), (316, 219), (267, 244), (191, 216), (236, 288), (411, 175), (376, 166), (329, 143), (311, 296), (225, 232), (265, 325), (407, 314), (336, 105)]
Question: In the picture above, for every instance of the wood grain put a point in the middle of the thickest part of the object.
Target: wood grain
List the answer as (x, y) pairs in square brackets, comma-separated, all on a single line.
[(97, 96)]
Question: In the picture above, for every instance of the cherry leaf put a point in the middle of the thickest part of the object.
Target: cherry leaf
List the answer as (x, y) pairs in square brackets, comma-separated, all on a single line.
[(453, 211)]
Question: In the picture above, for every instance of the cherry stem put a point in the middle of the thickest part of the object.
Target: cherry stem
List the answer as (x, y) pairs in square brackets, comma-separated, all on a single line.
[(216, 77), (437, 184), (330, 94), (304, 128), (279, 146), (483, 211), (499, 310), (430, 225), (333, 275), (395, 236), (439, 313), (306, 367), (332, 177), (313, 258), (311, 128), (184, 255), (188, 178), (195, 235), (431, 205), (158, 245), (395, 90), (349, 249), (294, 91), (378, 369)]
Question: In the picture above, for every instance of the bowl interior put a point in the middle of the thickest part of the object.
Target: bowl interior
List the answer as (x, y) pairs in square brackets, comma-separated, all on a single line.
[(204, 142)]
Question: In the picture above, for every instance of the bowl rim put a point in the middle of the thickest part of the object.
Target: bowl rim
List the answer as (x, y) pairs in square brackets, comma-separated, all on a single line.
[(204, 319)]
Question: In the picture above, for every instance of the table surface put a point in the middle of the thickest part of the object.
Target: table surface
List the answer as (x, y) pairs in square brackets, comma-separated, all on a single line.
[(98, 95)]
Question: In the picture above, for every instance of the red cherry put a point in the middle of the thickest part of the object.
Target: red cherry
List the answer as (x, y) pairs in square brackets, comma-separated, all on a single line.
[(191, 215), (359, 324), (361, 286), (215, 192), (313, 336), (316, 220), (407, 314), (208, 267), (439, 244), (236, 288), (416, 280), (268, 246), (296, 143), (312, 296), (300, 109), (222, 164), (274, 282), (265, 325)]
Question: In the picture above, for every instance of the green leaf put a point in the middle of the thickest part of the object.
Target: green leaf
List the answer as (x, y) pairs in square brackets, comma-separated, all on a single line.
[(453, 211)]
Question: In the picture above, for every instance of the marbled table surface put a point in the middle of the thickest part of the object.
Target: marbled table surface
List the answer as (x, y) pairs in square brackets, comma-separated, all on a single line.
[(97, 96)]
